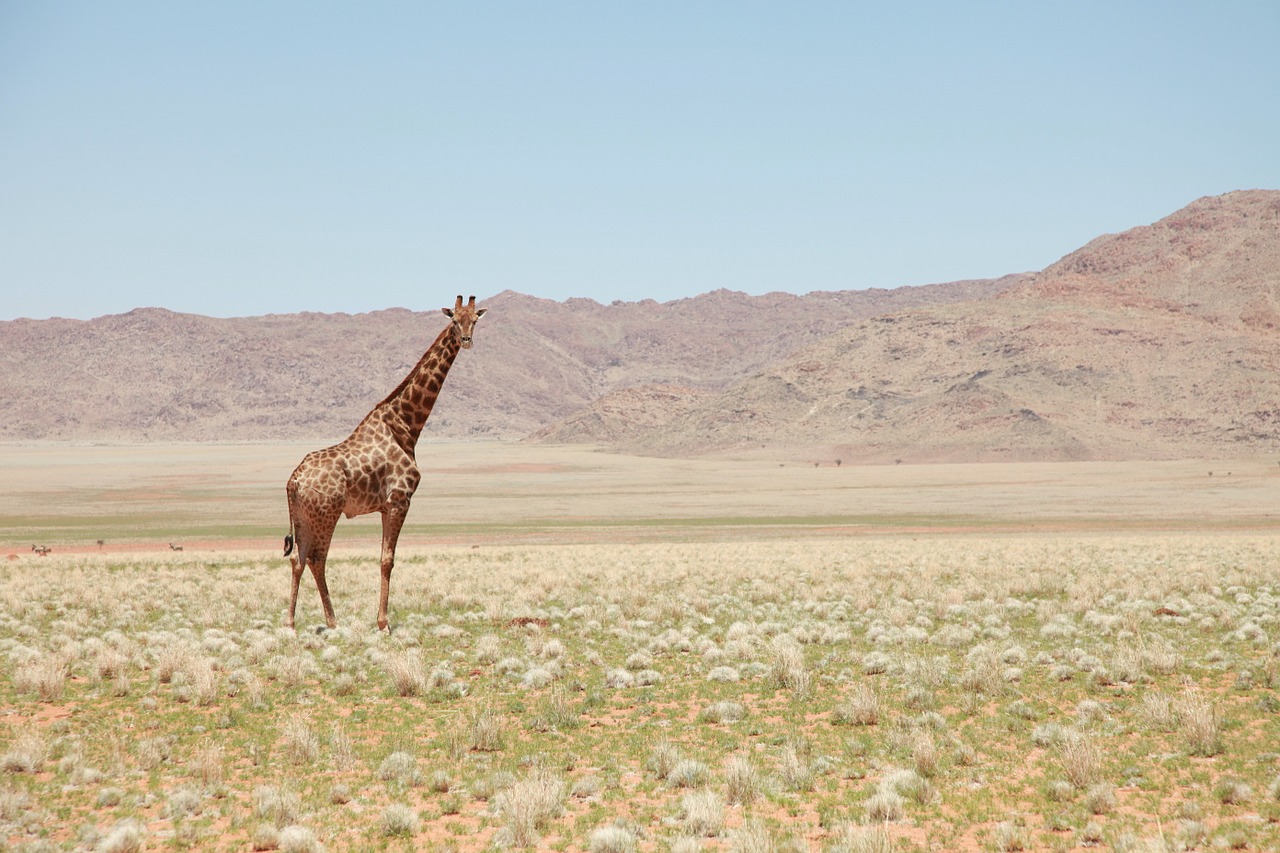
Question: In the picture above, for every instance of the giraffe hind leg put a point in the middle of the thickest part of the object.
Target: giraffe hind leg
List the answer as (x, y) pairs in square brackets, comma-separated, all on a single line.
[(297, 564), (313, 514), (313, 543), (303, 554)]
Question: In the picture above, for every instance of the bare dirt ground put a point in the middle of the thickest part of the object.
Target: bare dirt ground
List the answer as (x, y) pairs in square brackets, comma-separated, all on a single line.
[(231, 497)]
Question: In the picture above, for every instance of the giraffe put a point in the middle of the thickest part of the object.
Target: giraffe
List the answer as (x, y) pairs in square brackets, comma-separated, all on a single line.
[(373, 469)]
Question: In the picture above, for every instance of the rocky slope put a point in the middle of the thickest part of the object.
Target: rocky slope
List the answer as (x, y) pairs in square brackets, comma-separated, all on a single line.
[(1158, 342), (152, 374)]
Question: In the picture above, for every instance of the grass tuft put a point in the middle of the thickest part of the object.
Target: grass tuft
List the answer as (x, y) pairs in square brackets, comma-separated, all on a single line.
[(45, 676), (401, 767), (787, 666), (399, 820), (743, 784), (611, 839), (125, 837), (529, 805), (859, 708), (1200, 724), (1081, 760), (702, 813), (27, 754), (484, 728)]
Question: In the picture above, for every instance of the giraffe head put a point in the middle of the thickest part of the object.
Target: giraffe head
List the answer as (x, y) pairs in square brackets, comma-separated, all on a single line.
[(464, 319)]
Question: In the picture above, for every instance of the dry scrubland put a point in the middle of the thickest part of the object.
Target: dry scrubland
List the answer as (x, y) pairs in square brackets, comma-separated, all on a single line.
[(716, 686), (1007, 693)]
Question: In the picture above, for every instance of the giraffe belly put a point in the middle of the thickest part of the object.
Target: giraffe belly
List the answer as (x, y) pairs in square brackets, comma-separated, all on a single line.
[(359, 505)]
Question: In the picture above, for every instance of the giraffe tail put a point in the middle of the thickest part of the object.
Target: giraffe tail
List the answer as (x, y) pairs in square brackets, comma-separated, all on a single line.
[(291, 490)]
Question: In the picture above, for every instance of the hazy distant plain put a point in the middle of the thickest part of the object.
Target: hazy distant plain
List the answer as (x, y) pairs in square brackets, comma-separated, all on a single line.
[(144, 496)]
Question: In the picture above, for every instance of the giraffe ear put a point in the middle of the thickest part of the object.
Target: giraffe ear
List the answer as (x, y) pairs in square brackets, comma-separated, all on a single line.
[(480, 313), (448, 312)]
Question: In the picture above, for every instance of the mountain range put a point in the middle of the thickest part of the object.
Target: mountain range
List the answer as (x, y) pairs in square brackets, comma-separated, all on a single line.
[(1161, 341)]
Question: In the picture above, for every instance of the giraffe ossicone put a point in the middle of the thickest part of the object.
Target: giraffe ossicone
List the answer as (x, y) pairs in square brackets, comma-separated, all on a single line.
[(372, 470)]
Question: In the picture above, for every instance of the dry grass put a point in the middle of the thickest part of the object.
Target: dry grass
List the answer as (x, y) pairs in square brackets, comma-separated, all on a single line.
[(276, 736), (1200, 722), (1081, 760), (699, 690), (529, 806)]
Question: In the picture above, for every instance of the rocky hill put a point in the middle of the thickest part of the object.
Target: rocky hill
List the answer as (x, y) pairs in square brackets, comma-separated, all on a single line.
[(1160, 342), (152, 374)]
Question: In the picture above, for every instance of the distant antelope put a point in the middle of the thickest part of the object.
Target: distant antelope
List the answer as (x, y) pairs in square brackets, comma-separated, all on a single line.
[(173, 547), (42, 550)]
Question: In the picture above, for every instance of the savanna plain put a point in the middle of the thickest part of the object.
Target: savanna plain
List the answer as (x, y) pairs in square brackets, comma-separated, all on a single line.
[(599, 652)]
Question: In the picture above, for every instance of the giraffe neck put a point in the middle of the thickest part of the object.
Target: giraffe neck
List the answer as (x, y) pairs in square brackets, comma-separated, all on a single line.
[(407, 408)]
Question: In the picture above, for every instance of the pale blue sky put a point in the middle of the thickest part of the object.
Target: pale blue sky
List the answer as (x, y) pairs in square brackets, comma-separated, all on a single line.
[(239, 158)]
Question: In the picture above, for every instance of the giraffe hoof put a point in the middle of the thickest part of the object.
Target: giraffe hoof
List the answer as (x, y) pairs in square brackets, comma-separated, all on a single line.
[(320, 629)]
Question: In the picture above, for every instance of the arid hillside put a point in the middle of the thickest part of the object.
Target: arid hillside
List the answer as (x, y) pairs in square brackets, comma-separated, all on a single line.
[(1160, 342), (152, 374)]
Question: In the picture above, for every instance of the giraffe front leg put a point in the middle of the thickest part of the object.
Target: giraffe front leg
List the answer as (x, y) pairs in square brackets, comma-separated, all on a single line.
[(317, 570), (392, 520)]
